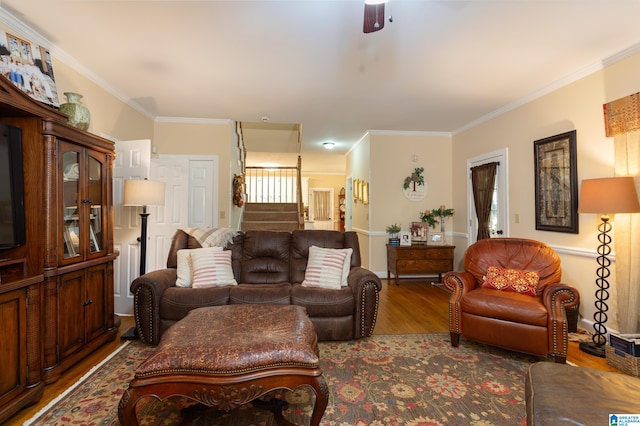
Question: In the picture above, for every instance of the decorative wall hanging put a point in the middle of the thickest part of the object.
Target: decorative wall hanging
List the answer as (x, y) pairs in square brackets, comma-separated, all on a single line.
[(238, 190), (365, 193), (414, 186), (622, 115), (28, 66), (556, 183)]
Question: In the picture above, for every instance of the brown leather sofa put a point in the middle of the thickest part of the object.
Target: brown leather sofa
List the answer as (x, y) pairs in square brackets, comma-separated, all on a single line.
[(531, 324), (269, 267)]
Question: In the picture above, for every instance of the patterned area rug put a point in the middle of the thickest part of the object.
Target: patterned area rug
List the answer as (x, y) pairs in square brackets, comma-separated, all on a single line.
[(384, 380)]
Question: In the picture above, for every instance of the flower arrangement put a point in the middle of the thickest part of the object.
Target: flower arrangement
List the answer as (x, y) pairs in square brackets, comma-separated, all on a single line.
[(416, 178), (436, 216)]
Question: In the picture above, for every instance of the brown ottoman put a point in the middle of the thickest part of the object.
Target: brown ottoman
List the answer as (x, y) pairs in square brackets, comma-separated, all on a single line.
[(560, 394), (227, 356)]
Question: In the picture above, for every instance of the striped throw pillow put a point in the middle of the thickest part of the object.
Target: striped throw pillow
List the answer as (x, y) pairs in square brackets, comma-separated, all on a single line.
[(212, 269), (185, 267), (324, 268)]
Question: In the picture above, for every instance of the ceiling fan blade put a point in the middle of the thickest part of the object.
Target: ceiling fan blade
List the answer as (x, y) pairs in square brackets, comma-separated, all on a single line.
[(373, 17)]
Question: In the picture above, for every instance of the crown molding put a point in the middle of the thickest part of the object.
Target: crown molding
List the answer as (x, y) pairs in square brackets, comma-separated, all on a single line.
[(192, 120), (571, 78)]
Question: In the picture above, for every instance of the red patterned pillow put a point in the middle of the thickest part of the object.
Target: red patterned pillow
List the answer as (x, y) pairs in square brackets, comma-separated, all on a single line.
[(524, 282)]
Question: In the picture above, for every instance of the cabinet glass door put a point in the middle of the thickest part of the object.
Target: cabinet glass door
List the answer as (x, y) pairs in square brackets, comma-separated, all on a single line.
[(70, 199), (96, 201)]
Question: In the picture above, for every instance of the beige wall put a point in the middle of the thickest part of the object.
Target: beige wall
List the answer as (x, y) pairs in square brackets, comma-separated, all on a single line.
[(215, 137), (577, 106), (384, 159), (110, 116)]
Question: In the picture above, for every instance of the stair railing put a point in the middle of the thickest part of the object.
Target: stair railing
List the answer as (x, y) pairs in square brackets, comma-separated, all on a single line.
[(275, 185)]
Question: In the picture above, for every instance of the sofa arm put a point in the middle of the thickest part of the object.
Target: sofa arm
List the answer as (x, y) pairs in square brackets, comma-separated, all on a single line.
[(366, 287), (557, 297), (147, 292), (459, 283)]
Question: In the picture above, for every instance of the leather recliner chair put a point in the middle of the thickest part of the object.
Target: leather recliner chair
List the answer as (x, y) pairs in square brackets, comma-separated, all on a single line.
[(535, 325)]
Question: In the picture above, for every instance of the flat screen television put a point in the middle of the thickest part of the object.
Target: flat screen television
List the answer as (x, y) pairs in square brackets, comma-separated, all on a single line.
[(12, 222)]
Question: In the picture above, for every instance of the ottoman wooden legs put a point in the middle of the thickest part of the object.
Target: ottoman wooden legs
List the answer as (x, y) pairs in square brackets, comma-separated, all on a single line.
[(225, 392)]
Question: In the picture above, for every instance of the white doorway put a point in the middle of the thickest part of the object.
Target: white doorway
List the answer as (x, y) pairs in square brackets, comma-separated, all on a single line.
[(191, 200), (132, 161), (321, 208), (499, 223)]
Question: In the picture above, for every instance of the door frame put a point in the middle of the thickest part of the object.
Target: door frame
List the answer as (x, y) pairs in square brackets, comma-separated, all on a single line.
[(501, 156)]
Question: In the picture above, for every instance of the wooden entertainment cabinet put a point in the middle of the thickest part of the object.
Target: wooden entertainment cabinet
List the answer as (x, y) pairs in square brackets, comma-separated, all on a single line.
[(56, 290)]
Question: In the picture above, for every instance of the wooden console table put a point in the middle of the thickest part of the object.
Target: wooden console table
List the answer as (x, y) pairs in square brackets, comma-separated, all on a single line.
[(419, 259)]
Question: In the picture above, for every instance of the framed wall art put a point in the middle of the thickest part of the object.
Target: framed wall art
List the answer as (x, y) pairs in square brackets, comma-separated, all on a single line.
[(29, 67), (556, 183)]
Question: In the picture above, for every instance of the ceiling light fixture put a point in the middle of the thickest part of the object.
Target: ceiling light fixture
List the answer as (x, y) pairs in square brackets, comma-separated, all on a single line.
[(328, 145)]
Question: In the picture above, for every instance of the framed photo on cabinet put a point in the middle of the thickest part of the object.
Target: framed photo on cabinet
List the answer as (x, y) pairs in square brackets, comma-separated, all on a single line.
[(435, 238)]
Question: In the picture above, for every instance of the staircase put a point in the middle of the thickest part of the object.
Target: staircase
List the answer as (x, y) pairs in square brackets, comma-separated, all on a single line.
[(270, 217)]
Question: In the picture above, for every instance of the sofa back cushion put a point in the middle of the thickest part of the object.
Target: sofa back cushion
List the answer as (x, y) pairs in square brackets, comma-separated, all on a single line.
[(265, 257), (303, 239), (513, 253)]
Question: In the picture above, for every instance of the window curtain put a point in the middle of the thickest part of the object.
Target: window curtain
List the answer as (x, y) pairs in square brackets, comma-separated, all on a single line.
[(626, 226), (322, 205), (483, 179)]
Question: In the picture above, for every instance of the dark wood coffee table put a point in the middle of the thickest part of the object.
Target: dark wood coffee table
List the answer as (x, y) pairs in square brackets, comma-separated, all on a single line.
[(227, 356)]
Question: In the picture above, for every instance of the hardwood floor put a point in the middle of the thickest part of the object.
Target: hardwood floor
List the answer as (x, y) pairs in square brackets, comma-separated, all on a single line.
[(415, 306)]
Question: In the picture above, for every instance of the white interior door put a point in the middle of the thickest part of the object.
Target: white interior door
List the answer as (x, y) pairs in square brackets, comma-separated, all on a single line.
[(190, 201), (499, 223), (132, 161)]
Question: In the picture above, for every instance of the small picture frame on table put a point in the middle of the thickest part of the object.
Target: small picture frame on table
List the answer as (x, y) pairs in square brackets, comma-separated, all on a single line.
[(435, 238), (405, 238), (419, 232)]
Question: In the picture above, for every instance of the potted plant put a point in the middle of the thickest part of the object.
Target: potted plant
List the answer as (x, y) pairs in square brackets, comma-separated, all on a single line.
[(394, 234)]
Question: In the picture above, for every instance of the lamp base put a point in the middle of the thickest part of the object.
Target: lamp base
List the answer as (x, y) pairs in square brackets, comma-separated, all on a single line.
[(131, 334), (593, 349)]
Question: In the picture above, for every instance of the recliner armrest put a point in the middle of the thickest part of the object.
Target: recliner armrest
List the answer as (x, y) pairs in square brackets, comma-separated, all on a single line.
[(365, 286), (147, 292)]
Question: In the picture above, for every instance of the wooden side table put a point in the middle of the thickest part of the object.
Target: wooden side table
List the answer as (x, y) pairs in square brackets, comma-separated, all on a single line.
[(419, 259)]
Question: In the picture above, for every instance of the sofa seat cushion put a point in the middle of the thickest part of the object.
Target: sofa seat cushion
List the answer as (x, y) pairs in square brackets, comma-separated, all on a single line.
[(176, 302), (276, 294), (324, 302), (507, 306)]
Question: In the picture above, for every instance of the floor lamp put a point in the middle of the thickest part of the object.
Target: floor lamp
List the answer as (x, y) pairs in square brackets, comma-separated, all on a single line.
[(604, 196), (142, 193)]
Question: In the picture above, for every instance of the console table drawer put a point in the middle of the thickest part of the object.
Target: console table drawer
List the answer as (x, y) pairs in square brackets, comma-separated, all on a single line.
[(424, 266)]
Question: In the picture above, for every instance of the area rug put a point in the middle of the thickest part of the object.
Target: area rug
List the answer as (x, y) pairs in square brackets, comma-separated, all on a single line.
[(384, 380)]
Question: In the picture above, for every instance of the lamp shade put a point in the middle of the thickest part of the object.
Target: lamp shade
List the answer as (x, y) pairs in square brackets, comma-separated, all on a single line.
[(143, 193), (609, 195)]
